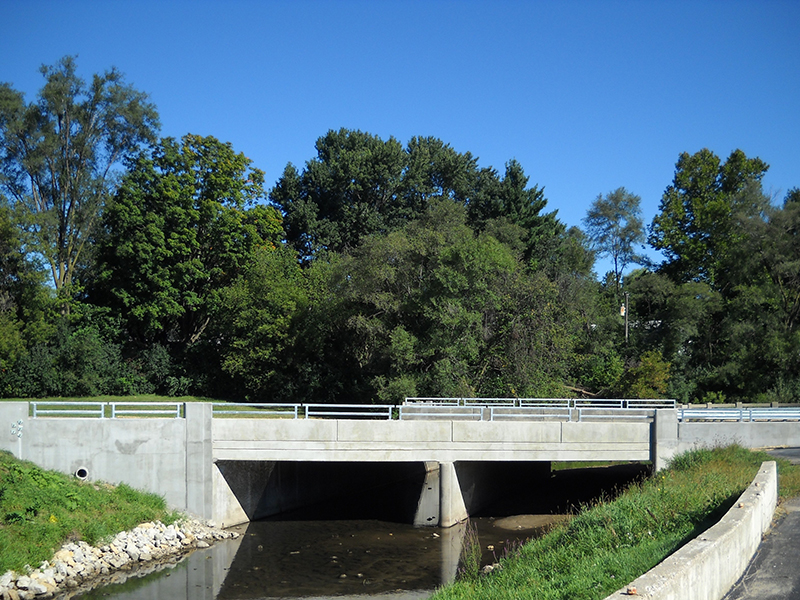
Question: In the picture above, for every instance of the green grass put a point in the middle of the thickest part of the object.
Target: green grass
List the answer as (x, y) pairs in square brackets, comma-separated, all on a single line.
[(584, 464), (40, 510), (609, 544)]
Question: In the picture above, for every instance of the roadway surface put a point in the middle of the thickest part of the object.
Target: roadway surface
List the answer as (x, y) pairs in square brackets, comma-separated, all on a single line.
[(774, 573)]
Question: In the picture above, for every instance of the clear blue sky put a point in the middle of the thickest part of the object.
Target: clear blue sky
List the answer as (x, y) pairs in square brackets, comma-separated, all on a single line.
[(586, 95)]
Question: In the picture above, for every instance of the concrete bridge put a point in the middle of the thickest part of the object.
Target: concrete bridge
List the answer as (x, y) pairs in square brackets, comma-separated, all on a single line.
[(232, 468)]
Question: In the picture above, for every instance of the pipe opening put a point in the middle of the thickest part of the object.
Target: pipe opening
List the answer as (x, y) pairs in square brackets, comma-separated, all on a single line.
[(82, 473)]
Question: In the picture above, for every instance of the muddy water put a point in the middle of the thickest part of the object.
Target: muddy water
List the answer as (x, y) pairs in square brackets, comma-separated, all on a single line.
[(346, 558)]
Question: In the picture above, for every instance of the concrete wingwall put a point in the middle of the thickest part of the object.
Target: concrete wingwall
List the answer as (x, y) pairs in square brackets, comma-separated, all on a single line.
[(670, 437), (170, 457), (708, 566)]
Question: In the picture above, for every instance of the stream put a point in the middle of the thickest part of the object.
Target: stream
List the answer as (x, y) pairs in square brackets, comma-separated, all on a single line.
[(318, 559)]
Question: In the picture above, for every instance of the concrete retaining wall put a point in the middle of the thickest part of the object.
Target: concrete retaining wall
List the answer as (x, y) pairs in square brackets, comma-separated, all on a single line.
[(170, 457), (707, 567)]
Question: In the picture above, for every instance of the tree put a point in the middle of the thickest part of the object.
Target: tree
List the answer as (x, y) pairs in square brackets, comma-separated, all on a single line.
[(347, 192), (694, 227), (254, 321), (509, 199), (614, 226), (359, 185), (434, 309), (178, 231), (58, 157)]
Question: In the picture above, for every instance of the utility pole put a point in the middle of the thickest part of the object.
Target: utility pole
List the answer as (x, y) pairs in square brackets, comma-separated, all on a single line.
[(626, 317)]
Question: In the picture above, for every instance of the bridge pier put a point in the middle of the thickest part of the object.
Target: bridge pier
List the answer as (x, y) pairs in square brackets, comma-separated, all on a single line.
[(452, 509), (452, 491)]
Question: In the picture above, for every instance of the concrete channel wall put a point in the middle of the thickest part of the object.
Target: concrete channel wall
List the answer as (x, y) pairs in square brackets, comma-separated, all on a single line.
[(707, 567)]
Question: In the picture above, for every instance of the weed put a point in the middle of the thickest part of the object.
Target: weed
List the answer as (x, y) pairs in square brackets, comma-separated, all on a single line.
[(612, 542), (469, 561), (40, 510)]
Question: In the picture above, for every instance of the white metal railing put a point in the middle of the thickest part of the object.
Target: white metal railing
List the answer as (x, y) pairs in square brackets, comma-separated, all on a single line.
[(168, 410), (739, 414), (349, 410), (546, 402), (286, 411), (493, 409), (102, 410), (63, 409)]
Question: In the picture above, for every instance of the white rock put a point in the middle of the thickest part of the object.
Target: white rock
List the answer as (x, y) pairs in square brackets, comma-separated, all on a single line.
[(132, 551)]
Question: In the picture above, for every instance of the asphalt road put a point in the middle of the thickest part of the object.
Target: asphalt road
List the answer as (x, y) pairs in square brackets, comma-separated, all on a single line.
[(774, 573)]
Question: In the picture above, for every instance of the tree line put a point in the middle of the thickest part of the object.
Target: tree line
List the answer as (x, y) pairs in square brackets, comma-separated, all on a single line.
[(134, 264)]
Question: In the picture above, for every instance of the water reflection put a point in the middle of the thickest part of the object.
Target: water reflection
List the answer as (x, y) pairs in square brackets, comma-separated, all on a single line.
[(321, 559)]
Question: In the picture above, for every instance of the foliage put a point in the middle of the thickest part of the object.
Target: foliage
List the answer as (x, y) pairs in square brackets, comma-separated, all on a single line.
[(254, 321), (614, 226), (694, 227), (40, 510), (82, 357), (434, 309), (177, 232), (58, 155), (647, 378), (359, 185)]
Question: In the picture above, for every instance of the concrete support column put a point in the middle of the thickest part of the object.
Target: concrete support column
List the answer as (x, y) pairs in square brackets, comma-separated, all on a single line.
[(199, 464), (451, 503), (427, 514), (664, 437)]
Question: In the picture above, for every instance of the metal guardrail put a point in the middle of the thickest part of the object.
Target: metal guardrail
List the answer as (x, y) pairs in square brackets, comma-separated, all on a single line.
[(495, 409), (349, 410), (739, 414), (167, 410), (546, 402), (285, 411), (103, 410), (63, 409)]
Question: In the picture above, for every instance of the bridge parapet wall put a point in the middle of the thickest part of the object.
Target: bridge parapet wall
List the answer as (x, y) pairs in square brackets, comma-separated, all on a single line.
[(426, 441)]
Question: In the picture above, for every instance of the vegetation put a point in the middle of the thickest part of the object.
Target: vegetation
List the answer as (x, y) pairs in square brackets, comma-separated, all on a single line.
[(40, 510), (611, 543), (135, 265)]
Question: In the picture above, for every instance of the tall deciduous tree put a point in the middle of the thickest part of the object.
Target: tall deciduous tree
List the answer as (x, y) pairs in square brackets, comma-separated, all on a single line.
[(178, 230), (359, 185), (614, 226), (347, 192), (58, 156), (694, 225)]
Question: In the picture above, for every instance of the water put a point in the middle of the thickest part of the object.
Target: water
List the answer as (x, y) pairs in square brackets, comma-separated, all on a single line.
[(321, 559)]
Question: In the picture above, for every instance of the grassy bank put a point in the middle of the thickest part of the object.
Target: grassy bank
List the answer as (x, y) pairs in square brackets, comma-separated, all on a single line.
[(40, 510), (611, 543)]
